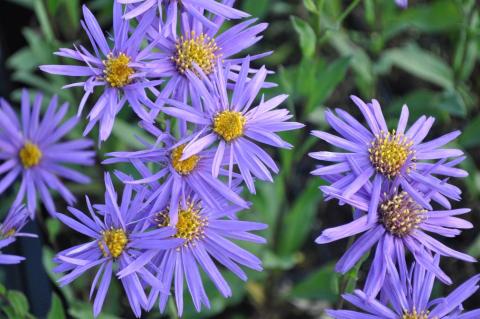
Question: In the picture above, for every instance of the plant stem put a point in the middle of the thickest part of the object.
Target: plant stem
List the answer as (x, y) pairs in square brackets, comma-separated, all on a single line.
[(347, 12), (172, 309)]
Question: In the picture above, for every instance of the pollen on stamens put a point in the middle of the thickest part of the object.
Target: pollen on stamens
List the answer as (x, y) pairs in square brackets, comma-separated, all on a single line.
[(117, 71), (400, 214), (229, 125), (389, 152), (113, 242), (30, 155), (190, 225), (416, 315), (186, 166), (195, 49), (9, 233)]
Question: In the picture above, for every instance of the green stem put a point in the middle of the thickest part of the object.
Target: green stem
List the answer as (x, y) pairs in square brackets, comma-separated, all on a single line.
[(172, 309), (347, 12)]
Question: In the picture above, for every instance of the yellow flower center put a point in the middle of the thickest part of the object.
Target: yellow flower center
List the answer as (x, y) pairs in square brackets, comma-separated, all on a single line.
[(389, 153), (190, 225), (115, 241), (30, 155), (186, 166), (117, 72), (229, 125), (416, 315), (9, 233), (200, 50), (400, 214)]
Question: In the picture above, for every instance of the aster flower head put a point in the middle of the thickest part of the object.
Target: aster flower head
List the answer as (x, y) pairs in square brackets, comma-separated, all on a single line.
[(197, 48), (121, 244), (31, 150), (377, 155), (407, 296), (177, 177), (207, 234), (400, 224), (195, 8), (234, 125), (121, 68), (10, 229)]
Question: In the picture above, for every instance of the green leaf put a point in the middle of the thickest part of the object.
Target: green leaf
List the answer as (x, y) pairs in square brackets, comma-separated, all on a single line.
[(53, 5), (19, 302), (270, 209), (24, 59), (56, 310), (310, 5), (299, 220), (53, 227), (306, 35), (42, 17), (418, 62), (73, 10), (361, 63), (320, 285), (127, 133), (257, 8), (328, 80), (471, 133), (83, 310), (272, 261), (427, 18)]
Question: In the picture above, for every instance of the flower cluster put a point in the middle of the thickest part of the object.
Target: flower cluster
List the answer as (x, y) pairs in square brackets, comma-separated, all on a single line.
[(392, 179), (181, 70)]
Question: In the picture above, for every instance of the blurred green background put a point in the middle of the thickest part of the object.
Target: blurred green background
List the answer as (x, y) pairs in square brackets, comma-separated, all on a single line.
[(325, 50)]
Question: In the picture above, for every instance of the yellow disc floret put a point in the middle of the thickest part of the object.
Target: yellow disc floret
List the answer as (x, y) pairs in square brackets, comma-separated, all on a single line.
[(30, 155), (416, 315), (9, 233), (200, 50), (114, 240), (229, 125), (186, 166), (389, 152), (190, 225), (400, 214), (117, 71)]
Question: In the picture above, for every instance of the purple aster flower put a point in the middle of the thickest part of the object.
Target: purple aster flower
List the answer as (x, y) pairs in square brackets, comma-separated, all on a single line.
[(408, 293), (207, 236), (30, 147), (399, 224), (195, 8), (17, 218), (234, 123), (121, 242), (197, 47), (402, 3), (176, 178), (377, 155), (122, 69)]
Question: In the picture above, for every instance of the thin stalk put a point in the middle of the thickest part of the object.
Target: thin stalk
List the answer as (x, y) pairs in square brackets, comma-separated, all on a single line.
[(172, 309)]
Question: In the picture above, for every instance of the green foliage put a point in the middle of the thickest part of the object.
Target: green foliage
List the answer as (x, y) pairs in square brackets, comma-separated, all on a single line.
[(325, 50), (306, 35), (318, 285), (13, 304)]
